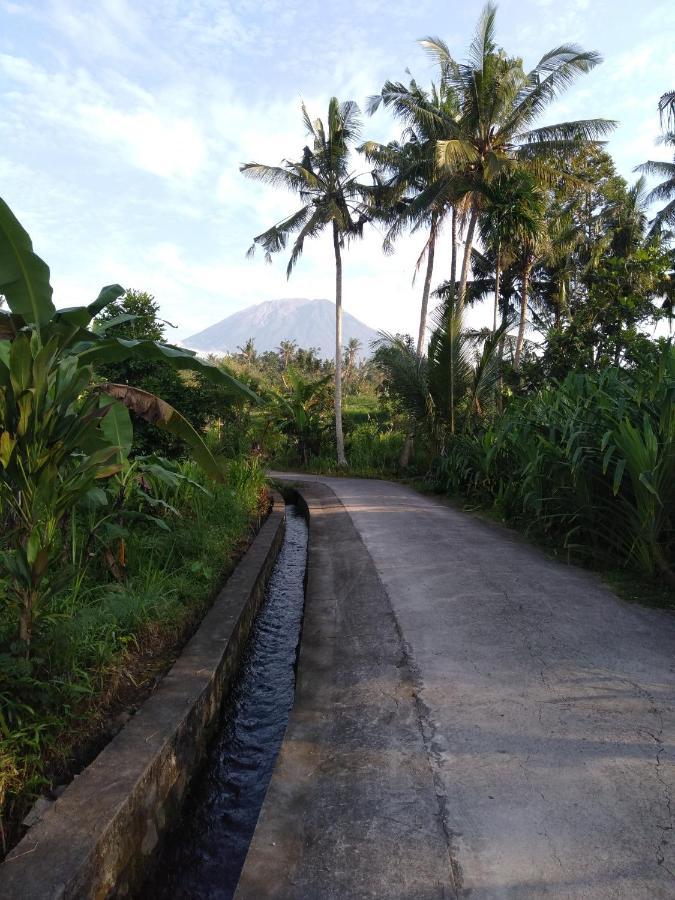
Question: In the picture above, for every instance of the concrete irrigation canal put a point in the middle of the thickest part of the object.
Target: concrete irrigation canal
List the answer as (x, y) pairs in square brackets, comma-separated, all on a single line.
[(470, 719), (205, 854)]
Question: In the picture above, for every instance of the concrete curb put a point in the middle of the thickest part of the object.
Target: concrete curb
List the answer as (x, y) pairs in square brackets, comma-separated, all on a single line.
[(99, 838)]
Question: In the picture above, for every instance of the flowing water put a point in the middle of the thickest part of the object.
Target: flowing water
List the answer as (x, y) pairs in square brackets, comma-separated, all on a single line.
[(204, 856)]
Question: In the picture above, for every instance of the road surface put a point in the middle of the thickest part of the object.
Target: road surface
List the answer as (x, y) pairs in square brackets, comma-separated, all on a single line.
[(472, 719)]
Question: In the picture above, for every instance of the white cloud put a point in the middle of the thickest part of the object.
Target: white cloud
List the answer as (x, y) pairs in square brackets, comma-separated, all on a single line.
[(128, 123)]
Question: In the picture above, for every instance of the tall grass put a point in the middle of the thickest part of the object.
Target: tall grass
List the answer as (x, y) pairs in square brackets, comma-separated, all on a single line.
[(95, 630), (589, 462)]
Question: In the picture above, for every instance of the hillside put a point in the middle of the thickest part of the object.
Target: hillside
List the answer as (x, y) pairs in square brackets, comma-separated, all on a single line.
[(310, 323)]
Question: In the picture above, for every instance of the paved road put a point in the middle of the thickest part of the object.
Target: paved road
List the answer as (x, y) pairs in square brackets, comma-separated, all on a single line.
[(546, 707)]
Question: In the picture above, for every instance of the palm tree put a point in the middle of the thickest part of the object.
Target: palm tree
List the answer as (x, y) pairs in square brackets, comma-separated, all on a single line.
[(627, 220), (456, 382), (507, 213), (248, 352), (665, 191), (331, 196), (499, 105), (286, 352), (420, 194), (351, 352)]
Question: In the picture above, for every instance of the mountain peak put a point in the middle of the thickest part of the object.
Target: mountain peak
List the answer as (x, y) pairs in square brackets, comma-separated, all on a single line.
[(308, 322)]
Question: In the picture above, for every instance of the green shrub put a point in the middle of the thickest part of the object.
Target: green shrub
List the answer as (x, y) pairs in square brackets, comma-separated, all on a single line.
[(589, 462)]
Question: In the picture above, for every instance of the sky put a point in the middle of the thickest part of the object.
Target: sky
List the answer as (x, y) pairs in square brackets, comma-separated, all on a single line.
[(125, 124)]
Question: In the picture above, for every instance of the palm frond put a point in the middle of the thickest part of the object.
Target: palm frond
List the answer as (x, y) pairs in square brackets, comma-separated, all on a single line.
[(483, 43), (457, 155), (657, 168), (552, 75), (566, 132), (275, 238), (292, 176), (667, 109), (313, 225)]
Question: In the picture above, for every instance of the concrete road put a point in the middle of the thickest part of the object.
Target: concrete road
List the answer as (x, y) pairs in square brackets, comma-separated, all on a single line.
[(546, 707)]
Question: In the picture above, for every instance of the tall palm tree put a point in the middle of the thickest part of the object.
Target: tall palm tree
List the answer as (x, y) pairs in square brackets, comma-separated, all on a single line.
[(499, 105), (421, 194), (351, 352), (665, 191), (529, 242), (331, 197), (627, 219), (507, 212)]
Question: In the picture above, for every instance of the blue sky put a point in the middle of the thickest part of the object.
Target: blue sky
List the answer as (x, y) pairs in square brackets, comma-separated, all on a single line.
[(125, 124)]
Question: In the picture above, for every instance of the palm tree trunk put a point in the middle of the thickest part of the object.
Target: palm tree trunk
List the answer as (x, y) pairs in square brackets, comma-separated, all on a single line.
[(467, 255), (453, 257), (524, 290), (431, 249), (339, 437), (406, 452), (498, 272)]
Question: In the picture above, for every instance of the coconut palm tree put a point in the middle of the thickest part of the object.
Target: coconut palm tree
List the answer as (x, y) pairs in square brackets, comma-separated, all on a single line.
[(507, 213), (665, 191), (499, 105), (421, 195), (286, 352), (351, 352), (248, 352), (331, 197), (529, 243)]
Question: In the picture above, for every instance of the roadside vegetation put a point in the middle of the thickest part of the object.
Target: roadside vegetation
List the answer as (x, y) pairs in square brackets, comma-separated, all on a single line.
[(111, 544), (132, 472), (558, 415)]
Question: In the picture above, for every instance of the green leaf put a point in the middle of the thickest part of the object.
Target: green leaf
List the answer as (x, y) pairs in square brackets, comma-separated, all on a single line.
[(645, 479), (32, 547), (81, 316), (116, 426), (618, 475), (24, 277), (107, 295), (95, 497), (7, 445), (20, 364), (102, 327), (160, 413)]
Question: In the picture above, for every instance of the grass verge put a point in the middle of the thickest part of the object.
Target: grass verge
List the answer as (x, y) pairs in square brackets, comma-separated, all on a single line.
[(101, 645)]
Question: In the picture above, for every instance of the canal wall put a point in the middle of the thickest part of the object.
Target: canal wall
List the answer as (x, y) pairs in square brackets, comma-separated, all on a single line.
[(99, 838)]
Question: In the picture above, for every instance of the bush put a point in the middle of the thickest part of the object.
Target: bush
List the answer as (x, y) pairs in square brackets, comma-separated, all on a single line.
[(589, 462)]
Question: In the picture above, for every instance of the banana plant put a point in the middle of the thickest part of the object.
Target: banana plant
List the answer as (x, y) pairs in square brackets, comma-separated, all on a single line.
[(301, 410), (60, 432)]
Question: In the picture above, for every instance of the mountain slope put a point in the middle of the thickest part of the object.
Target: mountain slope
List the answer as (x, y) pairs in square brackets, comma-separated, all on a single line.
[(310, 323)]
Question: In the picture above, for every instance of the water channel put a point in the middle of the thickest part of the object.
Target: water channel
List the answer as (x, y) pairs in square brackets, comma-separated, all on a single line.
[(204, 856)]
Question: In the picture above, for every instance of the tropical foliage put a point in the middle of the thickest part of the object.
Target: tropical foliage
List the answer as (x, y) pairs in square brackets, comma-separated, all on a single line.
[(61, 432), (589, 462), (131, 471)]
